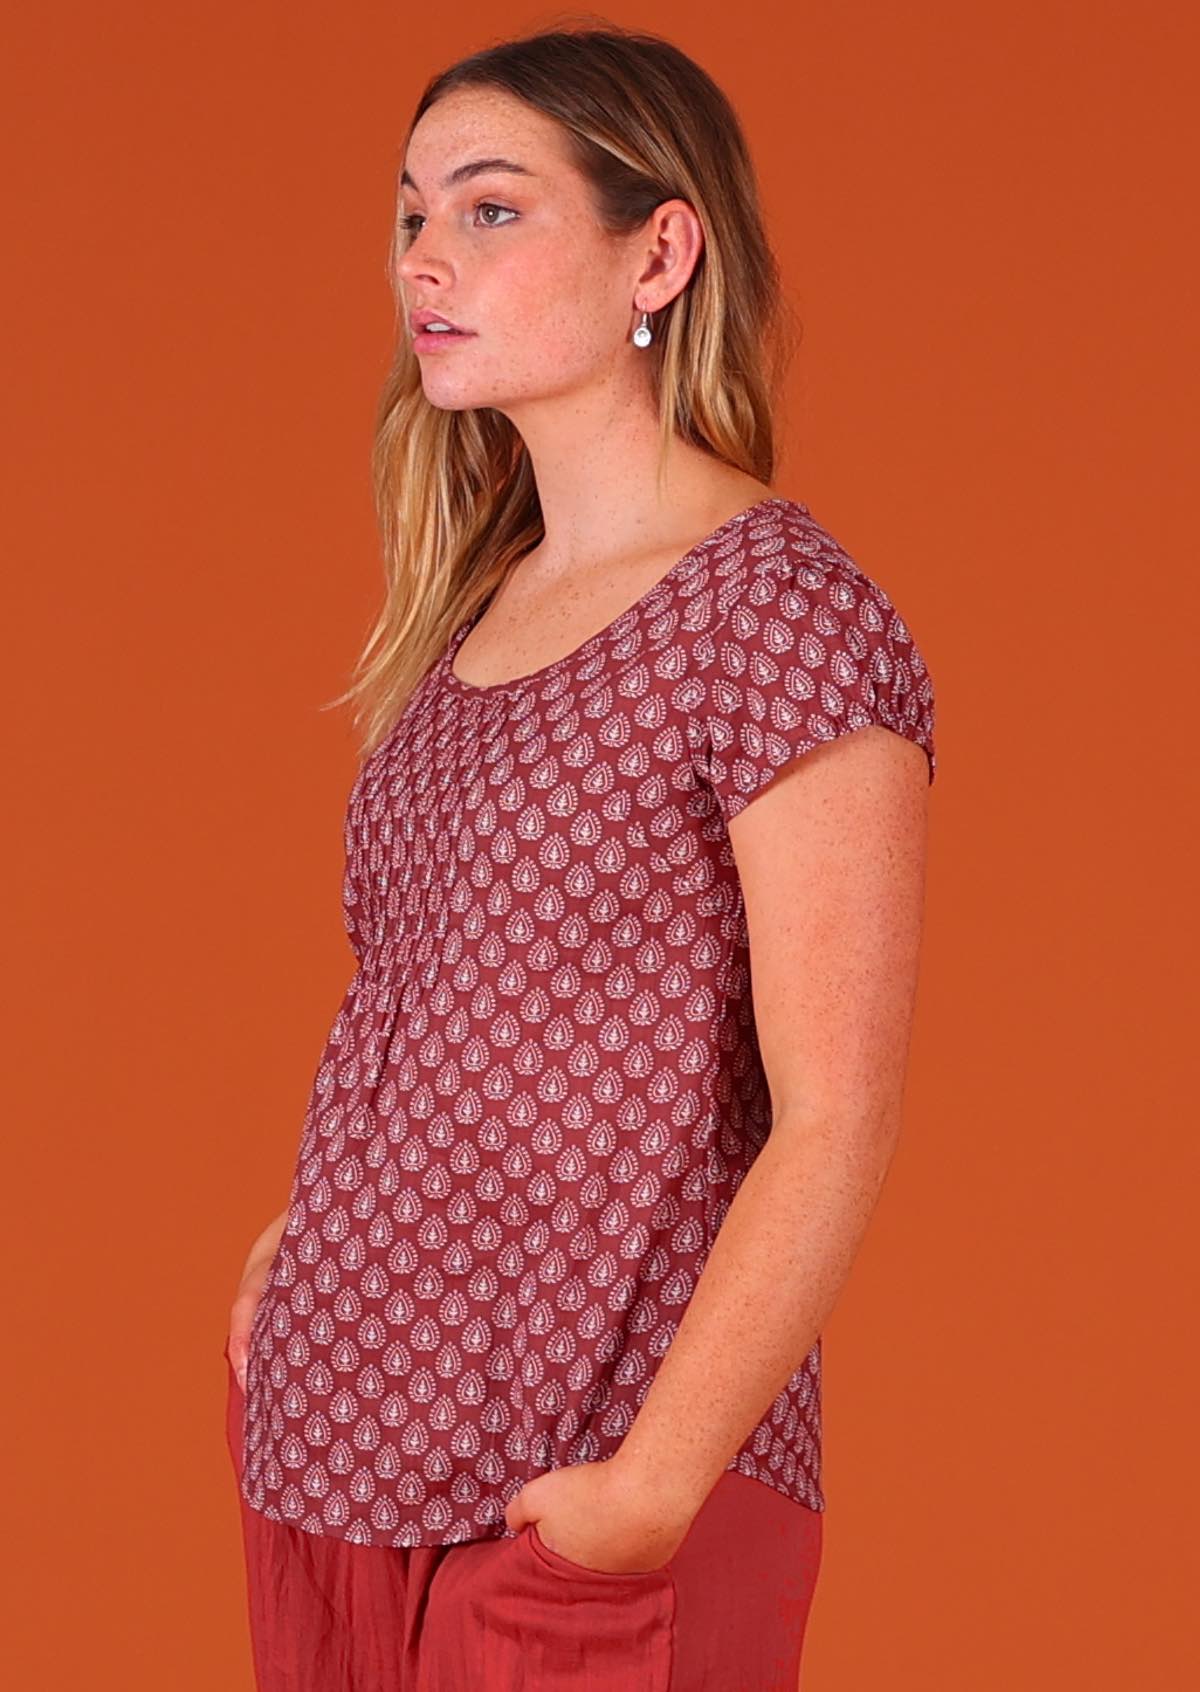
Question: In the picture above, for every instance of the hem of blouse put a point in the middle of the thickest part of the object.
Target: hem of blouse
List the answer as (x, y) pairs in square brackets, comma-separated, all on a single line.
[(332, 1534), (817, 1508)]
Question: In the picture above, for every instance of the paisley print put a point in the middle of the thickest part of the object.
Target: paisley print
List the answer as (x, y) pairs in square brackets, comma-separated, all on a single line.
[(543, 1088)]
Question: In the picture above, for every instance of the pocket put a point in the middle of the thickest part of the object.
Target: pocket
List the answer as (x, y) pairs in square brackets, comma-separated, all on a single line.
[(565, 1565), (235, 1413), (514, 1613), (607, 1629)]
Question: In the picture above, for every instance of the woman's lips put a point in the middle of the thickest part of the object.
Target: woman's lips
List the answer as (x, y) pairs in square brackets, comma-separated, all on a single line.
[(433, 340)]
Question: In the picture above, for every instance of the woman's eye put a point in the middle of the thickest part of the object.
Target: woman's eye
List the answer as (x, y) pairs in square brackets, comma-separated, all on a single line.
[(411, 224), (490, 205)]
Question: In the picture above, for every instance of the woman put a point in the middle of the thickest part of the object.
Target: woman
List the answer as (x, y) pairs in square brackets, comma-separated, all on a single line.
[(525, 1382)]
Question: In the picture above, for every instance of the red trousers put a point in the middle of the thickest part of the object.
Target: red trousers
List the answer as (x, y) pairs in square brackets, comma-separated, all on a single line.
[(727, 1613)]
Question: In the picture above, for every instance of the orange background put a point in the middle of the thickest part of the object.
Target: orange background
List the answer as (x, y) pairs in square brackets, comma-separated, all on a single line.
[(981, 213)]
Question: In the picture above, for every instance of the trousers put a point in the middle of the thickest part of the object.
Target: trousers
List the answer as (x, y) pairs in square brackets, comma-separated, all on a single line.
[(726, 1613)]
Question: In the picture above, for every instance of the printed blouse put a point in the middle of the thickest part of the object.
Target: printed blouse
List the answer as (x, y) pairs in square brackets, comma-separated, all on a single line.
[(543, 1086)]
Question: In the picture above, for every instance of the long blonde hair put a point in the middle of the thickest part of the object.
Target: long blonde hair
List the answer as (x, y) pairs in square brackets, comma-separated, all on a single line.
[(454, 491)]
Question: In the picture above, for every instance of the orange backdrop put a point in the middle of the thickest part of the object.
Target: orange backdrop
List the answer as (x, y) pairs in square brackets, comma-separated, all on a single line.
[(981, 213)]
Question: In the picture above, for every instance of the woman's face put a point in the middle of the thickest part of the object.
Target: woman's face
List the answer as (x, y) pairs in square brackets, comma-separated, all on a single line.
[(514, 255)]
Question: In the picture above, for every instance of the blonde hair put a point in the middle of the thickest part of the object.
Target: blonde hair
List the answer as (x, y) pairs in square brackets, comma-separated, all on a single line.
[(454, 491)]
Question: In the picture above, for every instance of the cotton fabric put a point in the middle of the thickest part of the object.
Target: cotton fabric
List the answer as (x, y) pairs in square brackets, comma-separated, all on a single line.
[(727, 1613), (543, 1087)]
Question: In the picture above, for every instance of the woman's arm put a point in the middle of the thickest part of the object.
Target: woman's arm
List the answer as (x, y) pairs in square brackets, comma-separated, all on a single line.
[(245, 1303), (831, 857)]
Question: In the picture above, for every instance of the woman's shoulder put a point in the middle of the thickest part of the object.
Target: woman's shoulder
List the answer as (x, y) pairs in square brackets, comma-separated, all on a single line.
[(803, 645), (789, 569)]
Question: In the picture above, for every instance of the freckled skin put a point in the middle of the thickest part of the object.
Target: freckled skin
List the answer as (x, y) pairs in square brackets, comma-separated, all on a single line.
[(547, 293), (553, 301), (834, 920)]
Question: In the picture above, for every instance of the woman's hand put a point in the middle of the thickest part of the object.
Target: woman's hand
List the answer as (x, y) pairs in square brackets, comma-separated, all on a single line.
[(601, 1515), (254, 1276)]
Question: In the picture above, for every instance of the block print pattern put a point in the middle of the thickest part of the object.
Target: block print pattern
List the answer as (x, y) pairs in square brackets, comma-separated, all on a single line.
[(543, 1087)]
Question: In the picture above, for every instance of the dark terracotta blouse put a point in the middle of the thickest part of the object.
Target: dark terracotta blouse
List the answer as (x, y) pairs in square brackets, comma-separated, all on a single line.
[(543, 1086)]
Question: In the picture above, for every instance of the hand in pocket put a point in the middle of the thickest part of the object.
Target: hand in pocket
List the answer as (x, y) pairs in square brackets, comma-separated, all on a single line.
[(249, 1293)]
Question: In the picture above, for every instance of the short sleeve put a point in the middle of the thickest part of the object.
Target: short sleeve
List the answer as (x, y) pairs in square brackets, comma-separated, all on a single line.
[(808, 652)]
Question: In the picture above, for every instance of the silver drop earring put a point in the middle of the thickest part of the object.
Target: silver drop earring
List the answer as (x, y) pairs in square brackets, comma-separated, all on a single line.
[(643, 334)]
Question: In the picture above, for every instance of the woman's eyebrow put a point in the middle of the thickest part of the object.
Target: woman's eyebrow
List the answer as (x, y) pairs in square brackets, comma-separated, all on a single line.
[(476, 167)]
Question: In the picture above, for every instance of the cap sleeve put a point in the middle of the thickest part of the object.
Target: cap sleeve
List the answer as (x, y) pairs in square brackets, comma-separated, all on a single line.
[(808, 652)]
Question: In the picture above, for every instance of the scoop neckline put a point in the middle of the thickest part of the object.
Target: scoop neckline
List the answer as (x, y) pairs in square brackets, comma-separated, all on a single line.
[(516, 683)]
